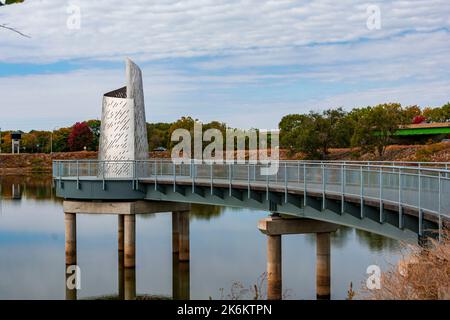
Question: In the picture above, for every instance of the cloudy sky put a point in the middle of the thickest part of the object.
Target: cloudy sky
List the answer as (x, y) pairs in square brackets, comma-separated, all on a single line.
[(245, 62)]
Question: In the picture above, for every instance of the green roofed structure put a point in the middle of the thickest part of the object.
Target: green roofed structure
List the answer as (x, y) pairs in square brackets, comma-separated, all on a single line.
[(435, 128)]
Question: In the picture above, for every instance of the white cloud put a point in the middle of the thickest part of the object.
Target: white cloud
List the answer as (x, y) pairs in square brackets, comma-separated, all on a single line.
[(46, 101), (253, 44), (172, 28)]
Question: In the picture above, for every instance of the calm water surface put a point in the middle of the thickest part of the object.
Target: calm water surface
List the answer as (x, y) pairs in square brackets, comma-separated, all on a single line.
[(226, 247)]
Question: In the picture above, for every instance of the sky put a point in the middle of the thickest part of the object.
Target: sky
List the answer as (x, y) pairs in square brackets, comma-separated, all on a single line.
[(244, 62)]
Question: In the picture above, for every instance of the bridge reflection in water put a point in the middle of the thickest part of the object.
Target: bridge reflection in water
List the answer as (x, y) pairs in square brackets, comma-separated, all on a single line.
[(402, 201)]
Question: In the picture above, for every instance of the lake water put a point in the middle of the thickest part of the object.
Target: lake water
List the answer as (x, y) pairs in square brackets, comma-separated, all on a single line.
[(226, 247)]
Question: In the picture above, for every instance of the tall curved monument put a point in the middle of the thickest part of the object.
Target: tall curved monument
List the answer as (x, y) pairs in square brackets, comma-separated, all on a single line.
[(123, 133)]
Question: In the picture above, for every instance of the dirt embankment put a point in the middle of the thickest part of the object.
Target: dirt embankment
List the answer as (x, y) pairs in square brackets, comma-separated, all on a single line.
[(28, 163), (437, 152)]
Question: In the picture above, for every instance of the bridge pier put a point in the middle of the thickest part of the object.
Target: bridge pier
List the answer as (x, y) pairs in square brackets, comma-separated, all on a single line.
[(130, 241), (274, 285), (121, 276), (130, 283), (175, 233), (183, 242), (274, 227), (180, 255), (180, 279), (126, 235), (120, 232), (70, 220), (323, 265)]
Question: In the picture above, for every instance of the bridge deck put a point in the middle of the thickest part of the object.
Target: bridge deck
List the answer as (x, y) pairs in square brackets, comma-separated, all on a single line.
[(421, 191)]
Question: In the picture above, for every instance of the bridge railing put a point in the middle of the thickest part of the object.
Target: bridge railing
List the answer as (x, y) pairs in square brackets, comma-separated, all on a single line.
[(423, 186)]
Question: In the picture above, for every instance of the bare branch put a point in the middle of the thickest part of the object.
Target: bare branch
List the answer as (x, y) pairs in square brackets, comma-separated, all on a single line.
[(14, 30)]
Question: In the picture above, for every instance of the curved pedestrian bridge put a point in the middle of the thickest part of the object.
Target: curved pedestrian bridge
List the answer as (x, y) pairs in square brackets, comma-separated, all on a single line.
[(401, 200)]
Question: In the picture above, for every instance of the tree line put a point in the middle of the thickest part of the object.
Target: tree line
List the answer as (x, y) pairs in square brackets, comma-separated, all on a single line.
[(369, 129)]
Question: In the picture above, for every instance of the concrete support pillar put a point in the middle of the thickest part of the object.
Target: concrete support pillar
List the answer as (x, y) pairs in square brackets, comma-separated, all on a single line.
[(184, 278), (121, 275), (71, 294), (175, 231), (121, 255), (323, 265), (70, 220), (183, 242), (274, 286), (120, 231), (175, 277), (130, 241), (180, 279), (130, 283)]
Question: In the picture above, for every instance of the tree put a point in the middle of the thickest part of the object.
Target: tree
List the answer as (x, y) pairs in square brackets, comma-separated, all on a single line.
[(412, 112), (6, 142), (94, 125), (81, 136), (376, 126), (158, 135), (60, 138), (314, 133), (298, 134)]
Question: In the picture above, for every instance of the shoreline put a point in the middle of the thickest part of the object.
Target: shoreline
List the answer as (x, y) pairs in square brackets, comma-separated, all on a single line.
[(41, 163)]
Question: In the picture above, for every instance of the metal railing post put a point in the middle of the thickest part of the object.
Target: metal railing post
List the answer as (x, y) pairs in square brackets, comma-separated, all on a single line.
[(342, 187), (103, 176), (156, 174), (304, 184), (439, 209), (361, 191), (211, 175), (381, 193), (420, 202), (174, 177), (60, 173), (78, 175), (134, 174), (323, 186), (400, 205), (230, 178), (192, 169), (248, 180), (285, 183)]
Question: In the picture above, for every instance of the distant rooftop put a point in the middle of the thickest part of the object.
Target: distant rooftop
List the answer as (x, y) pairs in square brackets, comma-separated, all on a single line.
[(424, 128)]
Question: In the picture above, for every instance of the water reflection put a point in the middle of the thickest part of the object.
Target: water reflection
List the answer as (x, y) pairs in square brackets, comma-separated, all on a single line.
[(225, 247), (37, 187)]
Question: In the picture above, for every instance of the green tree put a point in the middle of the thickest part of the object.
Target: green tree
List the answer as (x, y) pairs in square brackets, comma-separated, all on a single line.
[(314, 133), (94, 125), (376, 126), (410, 112), (158, 135), (298, 132), (60, 138)]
